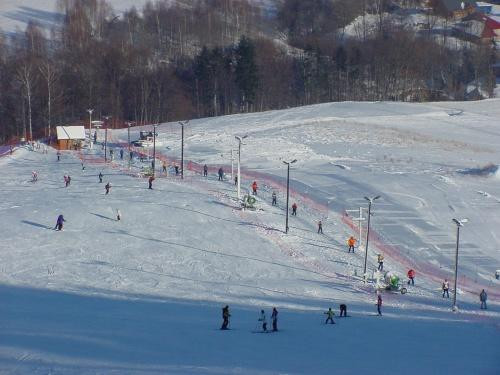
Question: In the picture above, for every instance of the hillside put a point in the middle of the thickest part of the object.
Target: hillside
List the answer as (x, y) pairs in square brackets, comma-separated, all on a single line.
[(143, 295)]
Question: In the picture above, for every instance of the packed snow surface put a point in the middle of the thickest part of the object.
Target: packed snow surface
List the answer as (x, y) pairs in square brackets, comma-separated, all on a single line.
[(143, 295)]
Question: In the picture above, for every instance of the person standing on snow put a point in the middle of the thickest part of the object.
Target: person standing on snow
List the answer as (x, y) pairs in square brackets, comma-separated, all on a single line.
[(34, 176), (411, 277), (176, 167), (274, 202), (483, 297), (221, 174), (150, 181), (343, 310), (100, 177), (225, 317), (320, 227), (235, 180), (263, 320), (446, 288), (329, 316), (111, 153), (107, 187), (121, 153), (294, 209), (380, 260), (379, 304), (351, 242), (205, 171), (58, 155), (118, 215), (254, 188), (59, 223), (274, 318)]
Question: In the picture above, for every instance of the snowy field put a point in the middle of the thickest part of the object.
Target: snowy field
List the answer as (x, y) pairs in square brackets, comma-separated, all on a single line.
[(144, 295)]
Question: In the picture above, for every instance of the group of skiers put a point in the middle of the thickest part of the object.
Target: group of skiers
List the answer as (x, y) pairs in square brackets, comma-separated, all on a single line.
[(262, 319)]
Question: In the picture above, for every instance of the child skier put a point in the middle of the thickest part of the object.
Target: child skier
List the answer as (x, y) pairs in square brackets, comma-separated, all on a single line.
[(263, 320), (380, 260), (107, 187), (274, 203), (411, 277), (320, 227), (329, 316), (446, 288), (225, 317), (59, 223), (294, 209), (254, 188), (274, 318), (351, 242), (379, 304), (483, 297)]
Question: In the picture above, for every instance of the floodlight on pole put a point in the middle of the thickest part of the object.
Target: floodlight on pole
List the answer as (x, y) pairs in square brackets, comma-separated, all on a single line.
[(370, 202), (287, 189), (459, 223), (240, 142), (90, 127), (106, 138), (182, 147)]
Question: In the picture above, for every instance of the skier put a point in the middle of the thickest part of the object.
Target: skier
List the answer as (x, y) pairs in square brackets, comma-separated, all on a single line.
[(320, 227), (235, 180), (34, 176), (343, 310), (121, 153), (329, 315), (95, 137), (111, 153), (274, 203), (107, 187), (254, 188), (58, 155), (294, 209), (483, 297), (100, 177), (68, 181), (221, 174), (176, 167), (59, 223), (205, 171), (131, 155), (446, 288), (225, 317), (83, 166), (263, 320), (380, 260), (150, 180), (274, 317), (118, 215), (351, 242), (379, 304), (411, 277), (164, 167)]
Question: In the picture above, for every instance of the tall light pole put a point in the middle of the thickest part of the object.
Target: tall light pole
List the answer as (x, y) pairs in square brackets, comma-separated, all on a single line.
[(370, 201), (106, 138), (240, 142), (128, 136), (90, 127), (153, 163), (459, 223), (182, 147), (288, 189)]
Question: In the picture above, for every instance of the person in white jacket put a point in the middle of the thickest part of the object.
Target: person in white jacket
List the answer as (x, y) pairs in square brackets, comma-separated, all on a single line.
[(263, 320)]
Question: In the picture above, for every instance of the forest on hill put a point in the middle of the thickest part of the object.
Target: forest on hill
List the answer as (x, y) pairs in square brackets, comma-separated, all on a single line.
[(180, 59)]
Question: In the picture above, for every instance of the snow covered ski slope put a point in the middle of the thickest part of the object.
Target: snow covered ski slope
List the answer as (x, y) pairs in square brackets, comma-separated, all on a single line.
[(143, 295)]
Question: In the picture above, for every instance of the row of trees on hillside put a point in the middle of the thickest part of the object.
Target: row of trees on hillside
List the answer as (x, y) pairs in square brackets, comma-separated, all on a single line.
[(202, 58)]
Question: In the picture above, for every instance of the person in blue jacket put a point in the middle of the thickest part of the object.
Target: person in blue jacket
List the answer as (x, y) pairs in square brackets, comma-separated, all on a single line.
[(59, 223)]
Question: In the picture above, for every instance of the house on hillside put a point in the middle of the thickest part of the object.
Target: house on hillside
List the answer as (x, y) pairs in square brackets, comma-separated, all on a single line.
[(70, 137), (455, 9)]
